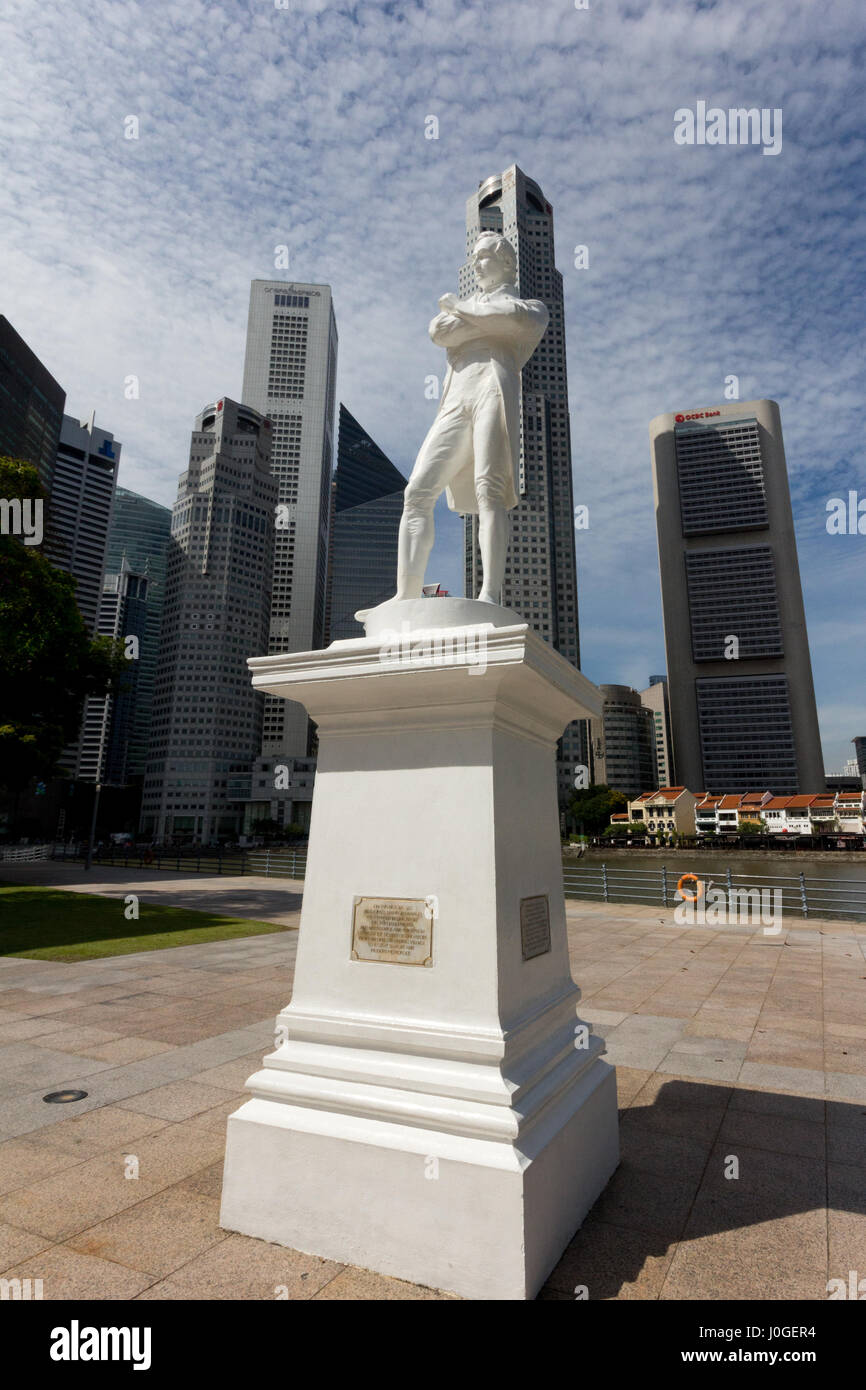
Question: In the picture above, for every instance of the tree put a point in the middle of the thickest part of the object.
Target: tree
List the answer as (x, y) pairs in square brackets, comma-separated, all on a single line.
[(625, 827), (593, 806), (49, 663)]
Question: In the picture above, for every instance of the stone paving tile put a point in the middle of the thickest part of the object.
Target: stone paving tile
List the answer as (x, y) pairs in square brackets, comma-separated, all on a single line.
[(108, 1128), (669, 1001), (645, 1201), (844, 1086), (126, 1050), (243, 1268), (177, 1101), (766, 1187), (710, 1068), (70, 1037), (61, 1205), (780, 1134), (360, 1285), (22, 1162), (158, 1235), (777, 1103), (207, 1182), (782, 1078), (629, 1082), (846, 1220), (67, 1274), (610, 1261), (781, 1259), (16, 1245), (29, 1028)]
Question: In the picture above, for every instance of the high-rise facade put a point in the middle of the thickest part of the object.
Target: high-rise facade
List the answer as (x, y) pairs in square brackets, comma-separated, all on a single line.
[(367, 506), (655, 698), (79, 509), (31, 405), (541, 572), (109, 720), (290, 376), (622, 742), (138, 537), (207, 719), (742, 700)]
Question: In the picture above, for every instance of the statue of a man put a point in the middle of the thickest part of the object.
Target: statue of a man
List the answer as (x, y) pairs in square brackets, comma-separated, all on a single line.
[(472, 449)]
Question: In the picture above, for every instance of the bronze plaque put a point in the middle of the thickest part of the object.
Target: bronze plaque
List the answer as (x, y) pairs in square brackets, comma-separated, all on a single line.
[(534, 926), (393, 931)]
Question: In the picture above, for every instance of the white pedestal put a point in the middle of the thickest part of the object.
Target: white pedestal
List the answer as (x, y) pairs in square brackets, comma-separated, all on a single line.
[(449, 1121)]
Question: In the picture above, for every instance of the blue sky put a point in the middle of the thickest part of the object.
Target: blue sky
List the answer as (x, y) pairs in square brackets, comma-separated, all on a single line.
[(304, 126)]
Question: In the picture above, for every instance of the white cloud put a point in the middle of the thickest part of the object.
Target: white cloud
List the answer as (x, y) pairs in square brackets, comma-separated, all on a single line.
[(306, 126)]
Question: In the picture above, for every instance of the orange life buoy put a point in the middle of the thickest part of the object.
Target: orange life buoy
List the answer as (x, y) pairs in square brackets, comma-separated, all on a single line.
[(698, 885)]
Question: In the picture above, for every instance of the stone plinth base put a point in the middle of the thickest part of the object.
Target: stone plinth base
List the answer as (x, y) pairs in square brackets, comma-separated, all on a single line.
[(434, 1109)]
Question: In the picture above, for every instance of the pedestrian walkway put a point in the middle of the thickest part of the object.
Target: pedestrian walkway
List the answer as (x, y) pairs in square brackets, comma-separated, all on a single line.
[(729, 1045)]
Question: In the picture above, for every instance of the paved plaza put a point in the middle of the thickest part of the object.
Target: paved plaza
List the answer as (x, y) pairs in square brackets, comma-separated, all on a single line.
[(741, 1065)]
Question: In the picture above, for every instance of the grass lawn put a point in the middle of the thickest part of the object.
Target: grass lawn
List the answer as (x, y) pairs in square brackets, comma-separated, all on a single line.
[(50, 924)]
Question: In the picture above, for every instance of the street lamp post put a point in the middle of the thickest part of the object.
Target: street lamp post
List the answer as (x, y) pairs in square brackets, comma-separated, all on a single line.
[(89, 860)]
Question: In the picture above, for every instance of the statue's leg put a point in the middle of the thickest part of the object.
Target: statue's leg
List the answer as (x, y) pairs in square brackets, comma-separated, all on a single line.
[(441, 457), (492, 470)]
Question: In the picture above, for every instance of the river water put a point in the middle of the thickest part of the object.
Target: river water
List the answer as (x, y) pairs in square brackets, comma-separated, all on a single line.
[(709, 865)]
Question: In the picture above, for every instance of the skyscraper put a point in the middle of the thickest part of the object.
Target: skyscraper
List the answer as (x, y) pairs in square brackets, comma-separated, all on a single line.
[(31, 405), (290, 376), (655, 698), (207, 719), (138, 535), (742, 701), (109, 720), (541, 573), (79, 509), (622, 742), (368, 504)]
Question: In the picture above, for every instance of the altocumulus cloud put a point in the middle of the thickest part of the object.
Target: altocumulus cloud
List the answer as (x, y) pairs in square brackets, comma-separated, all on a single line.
[(304, 126)]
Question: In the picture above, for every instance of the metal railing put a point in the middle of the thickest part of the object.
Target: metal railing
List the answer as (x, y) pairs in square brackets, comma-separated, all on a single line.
[(803, 895), (282, 863), (23, 854)]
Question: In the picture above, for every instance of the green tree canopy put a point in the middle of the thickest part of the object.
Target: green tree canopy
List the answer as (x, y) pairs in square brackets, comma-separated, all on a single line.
[(594, 806), (49, 663)]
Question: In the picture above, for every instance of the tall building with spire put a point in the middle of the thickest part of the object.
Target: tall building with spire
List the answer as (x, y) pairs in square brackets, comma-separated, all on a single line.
[(290, 373), (541, 572)]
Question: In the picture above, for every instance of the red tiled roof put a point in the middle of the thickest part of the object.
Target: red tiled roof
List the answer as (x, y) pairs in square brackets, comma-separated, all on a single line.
[(620, 815), (796, 802), (730, 803), (776, 803)]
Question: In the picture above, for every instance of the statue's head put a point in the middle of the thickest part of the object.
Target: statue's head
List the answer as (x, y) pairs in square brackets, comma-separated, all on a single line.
[(494, 261)]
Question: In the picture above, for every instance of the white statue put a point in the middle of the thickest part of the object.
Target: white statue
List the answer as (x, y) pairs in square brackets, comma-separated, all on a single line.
[(473, 447)]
